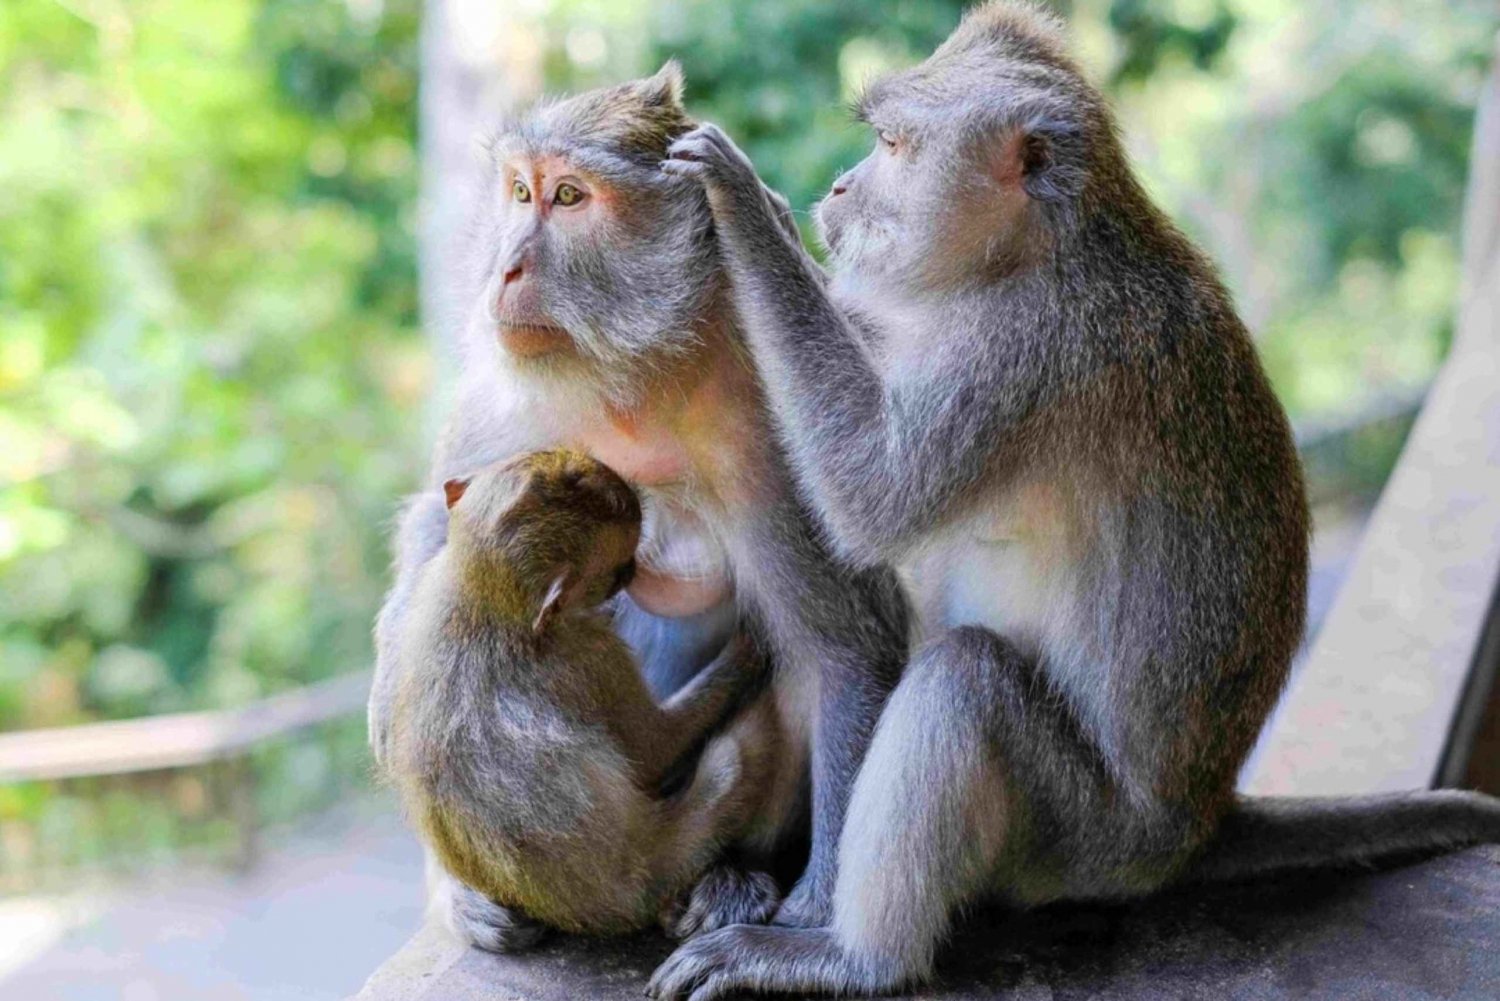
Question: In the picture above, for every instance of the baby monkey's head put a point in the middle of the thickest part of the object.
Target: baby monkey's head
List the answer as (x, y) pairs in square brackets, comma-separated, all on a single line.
[(544, 534)]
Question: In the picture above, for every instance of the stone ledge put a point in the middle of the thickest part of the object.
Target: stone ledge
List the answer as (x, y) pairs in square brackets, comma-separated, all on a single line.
[(1422, 932)]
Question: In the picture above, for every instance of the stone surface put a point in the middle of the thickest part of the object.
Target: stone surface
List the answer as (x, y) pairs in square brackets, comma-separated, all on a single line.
[(1422, 932)]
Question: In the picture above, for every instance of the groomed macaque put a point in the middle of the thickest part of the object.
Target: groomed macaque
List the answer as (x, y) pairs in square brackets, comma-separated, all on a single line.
[(522, 739), (1025, 387), (600, 321)]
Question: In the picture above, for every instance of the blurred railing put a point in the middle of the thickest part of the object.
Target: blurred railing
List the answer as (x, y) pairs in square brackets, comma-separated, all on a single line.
[(196, 762), (1347, 459)]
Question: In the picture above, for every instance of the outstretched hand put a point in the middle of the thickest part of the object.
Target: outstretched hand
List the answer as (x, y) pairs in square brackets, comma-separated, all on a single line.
[(735, 192)]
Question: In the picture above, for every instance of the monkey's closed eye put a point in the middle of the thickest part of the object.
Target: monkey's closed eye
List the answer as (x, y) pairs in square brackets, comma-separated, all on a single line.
[(520, 192), (887, 139)]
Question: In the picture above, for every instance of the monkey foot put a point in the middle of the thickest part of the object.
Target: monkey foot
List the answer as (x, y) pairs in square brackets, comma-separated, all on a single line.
[(726, 895), (773, 960)]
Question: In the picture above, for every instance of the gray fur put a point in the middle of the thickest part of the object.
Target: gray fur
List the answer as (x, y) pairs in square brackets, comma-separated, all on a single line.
[(1022, 385), (644, 299)]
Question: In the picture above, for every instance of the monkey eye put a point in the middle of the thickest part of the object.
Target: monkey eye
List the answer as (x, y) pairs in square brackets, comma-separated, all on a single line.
[(887, 139), (520, 192), (567, 194)]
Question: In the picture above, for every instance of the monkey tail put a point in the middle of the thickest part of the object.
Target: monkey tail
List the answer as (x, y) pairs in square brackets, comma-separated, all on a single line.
[(1263, 835)]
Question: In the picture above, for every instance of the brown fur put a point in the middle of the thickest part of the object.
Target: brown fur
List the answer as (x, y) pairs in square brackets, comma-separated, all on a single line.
[(525, 745)]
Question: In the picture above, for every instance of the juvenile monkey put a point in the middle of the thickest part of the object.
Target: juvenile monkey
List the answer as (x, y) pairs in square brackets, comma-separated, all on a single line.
[(599, 319), (1024, 386), (523, 741)]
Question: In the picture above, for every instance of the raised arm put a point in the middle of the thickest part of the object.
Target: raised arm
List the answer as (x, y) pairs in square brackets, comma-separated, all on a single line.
[(882, 459)]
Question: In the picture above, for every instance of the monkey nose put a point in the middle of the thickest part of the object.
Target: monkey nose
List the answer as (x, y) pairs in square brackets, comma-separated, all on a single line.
[(511, 274), (839, 189)]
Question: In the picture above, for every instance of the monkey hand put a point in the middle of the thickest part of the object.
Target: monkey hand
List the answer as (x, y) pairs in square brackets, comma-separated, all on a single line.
[(742, 205)]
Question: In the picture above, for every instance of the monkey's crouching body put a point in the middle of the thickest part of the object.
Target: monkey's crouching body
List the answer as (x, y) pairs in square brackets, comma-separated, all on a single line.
[(528, 752), (540, 814)]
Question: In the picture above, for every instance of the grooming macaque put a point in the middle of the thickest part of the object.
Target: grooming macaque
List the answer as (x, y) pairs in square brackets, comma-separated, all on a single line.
[(1026, 388), (522, 738), (600, 321)]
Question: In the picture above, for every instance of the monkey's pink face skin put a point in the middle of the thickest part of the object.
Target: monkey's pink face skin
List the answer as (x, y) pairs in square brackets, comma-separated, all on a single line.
[(835, 210), (546, 199)]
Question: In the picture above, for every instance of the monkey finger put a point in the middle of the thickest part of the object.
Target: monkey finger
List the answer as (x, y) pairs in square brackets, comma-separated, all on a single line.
[(684, 168), (693, 146), (713, 135)]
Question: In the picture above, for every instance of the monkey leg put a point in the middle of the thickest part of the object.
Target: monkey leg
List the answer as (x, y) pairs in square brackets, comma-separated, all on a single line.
[(975, 769)]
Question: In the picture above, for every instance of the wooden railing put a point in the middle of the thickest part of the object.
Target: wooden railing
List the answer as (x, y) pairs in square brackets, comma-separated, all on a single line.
[(155, 755), (175, 740), (1398, 689)]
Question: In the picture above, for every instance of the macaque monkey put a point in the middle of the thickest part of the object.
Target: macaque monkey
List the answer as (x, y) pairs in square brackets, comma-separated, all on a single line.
[(1024, 387), (599, 320), (523, 740)]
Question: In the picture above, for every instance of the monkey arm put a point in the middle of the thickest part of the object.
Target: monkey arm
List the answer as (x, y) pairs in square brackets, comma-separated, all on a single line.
[(883, 461), (686, 719), (781, 209)]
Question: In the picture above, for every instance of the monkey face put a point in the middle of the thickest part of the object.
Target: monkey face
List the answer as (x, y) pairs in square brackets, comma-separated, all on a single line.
[(979, 153), (858, 221), (598, 264)]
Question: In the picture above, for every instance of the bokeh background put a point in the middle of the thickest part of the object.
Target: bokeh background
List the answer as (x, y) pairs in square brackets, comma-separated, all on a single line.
[(215, 373)]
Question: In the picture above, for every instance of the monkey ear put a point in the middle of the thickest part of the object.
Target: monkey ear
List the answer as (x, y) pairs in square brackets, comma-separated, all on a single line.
[(453, 491), (1045, 157), (664, 87), (551, 602)]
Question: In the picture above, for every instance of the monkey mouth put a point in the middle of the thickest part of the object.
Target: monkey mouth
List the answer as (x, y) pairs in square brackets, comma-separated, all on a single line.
[(533, 340)]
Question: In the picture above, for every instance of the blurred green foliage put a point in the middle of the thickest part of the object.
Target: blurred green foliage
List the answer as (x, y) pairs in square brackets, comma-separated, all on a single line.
[(211, 372), (1317, 150), (209, 359)]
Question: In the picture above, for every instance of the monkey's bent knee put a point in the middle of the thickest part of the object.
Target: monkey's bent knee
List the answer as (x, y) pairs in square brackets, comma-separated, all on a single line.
[(966, 658)]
